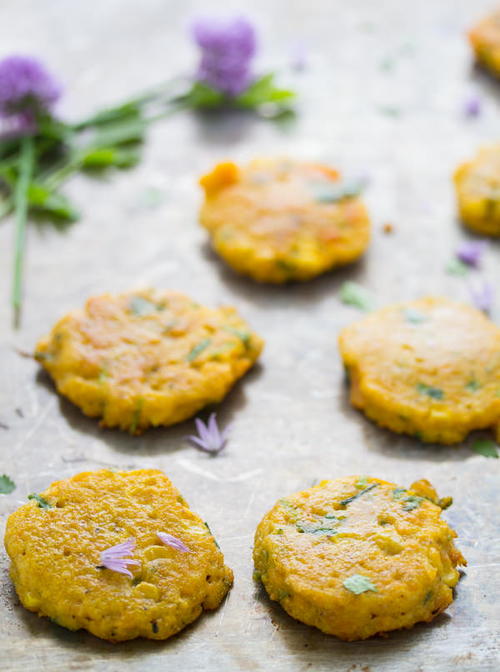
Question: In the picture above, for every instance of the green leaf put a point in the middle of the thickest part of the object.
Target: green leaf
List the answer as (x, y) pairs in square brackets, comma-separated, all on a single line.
[(105, 157), (119, 133), (202, 96), (140, 306), (244, 336), (412, 502), (353, 294), (457, 267), (51, 203), (198, 349), (7, 485), (433, 392), (319, 528), (41, 501), (357, 584), (485, 447), (263, 91)]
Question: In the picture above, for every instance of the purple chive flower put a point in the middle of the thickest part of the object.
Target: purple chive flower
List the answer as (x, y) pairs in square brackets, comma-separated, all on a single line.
[(114, 558), (472, 107), (170, 540), (471, 252), (482, 295), (27, 89), (227, 48), (210, 438)]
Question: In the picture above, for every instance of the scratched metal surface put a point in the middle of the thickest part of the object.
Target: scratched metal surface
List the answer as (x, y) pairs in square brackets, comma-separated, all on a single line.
[(290, 420)]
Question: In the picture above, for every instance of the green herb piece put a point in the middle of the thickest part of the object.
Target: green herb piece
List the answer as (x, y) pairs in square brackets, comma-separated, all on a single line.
[(473, 386), (390, 110), (41, 501), (105, 157), (202, 96), (362, 482), (244, 336), (485, 447), (414, 317), (198, 349), (331, 192), (412, 502), (457, 267), (433, 392), (140, 306), (282, 595), (137, 415), (318, 529), (7, 485), (353, 294), (211, 534), (357, 584), (347, 501)]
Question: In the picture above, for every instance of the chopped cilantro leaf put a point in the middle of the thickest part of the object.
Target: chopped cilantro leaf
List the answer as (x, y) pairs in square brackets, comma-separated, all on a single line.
[(140, 306), (7, 485), (198, 349), (353, 294), (433, 392), (330, 192), (457, 267), (211, 534), (357, 584), (41, 501), (473, 386)]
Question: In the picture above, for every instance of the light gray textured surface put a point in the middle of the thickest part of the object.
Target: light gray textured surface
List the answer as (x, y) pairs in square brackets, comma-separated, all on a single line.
[(291, 422)]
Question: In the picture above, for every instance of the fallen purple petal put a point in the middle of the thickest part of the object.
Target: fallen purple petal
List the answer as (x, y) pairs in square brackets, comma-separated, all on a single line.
[(114, 558), (472, 107), (174, 542), (210, 438), (483, 295), (471, 252), (227, 48)]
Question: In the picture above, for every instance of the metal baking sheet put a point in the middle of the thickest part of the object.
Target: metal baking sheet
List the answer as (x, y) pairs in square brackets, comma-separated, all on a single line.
[(383, 94)]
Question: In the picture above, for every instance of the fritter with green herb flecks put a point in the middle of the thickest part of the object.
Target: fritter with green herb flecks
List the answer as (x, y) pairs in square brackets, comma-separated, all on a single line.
[(119, 554), (358, 556), (477, 185), (147, 358), (429, 368), (278, 221)]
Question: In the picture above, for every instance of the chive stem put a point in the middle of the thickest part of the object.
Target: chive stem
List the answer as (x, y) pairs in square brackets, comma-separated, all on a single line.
[(26, 164)]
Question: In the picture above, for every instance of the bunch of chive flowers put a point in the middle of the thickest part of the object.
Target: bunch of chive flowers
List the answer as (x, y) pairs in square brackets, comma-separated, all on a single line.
[(39, 151), (225, 76)]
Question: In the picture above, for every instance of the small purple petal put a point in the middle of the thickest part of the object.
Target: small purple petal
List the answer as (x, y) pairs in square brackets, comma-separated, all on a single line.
[(174, 542), (471, 252), (299, 57), (26, 90), (113, 558), (472, 107), (483, 296), (210, 438), (227, 48)]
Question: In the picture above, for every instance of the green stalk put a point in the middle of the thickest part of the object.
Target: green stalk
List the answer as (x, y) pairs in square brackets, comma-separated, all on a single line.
[(26, 165)]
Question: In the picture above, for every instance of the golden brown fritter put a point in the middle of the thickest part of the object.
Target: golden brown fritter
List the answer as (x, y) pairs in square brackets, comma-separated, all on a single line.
[(55, 543)]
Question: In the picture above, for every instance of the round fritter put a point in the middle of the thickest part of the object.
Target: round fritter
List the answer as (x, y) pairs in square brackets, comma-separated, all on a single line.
[(147, 358), (55, 543), (280, 221), (477, 184), (428, 368), (485, 40), (358, 556)]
